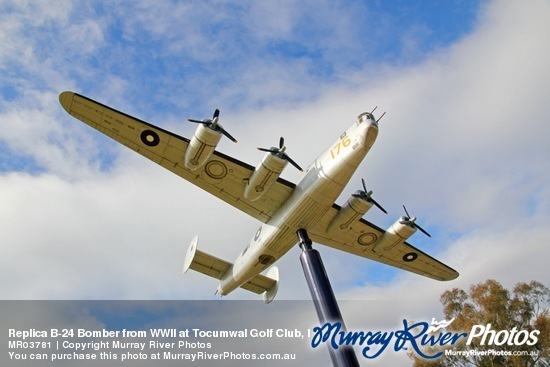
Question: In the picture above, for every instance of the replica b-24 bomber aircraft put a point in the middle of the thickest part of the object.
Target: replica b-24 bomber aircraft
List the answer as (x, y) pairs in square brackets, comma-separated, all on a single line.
[(281, 206)]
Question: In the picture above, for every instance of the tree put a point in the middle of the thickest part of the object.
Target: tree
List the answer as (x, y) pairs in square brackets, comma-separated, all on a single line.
[(527, 307)]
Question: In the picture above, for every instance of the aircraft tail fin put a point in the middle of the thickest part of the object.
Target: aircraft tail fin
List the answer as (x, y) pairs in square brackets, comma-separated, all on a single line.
[(200, 261)]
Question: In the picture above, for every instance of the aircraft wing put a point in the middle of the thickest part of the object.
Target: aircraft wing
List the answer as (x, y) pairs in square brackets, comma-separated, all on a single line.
[(222, 176), (359, 239)]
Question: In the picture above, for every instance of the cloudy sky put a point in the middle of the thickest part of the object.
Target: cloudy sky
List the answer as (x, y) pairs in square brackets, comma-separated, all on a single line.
[(464, 143)]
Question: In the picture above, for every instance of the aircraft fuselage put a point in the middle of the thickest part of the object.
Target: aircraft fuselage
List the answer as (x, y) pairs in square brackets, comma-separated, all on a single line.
[(320, 186)]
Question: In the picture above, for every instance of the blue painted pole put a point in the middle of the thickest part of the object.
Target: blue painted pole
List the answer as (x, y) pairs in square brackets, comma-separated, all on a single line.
[(324, 299)]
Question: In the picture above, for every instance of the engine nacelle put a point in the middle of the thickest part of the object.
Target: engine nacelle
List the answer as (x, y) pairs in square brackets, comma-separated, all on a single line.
[(265, 174), (352, 211), (397, 233), (201, 147)]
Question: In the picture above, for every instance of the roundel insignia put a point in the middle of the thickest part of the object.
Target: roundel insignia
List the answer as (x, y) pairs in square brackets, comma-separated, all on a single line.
[(215, 169), (411, 256), (367, 239), (150, 138)]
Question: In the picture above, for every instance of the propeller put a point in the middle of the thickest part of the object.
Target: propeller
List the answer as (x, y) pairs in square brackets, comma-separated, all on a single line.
[(214, 125), (411, 222), (280, 152), (367, 195)]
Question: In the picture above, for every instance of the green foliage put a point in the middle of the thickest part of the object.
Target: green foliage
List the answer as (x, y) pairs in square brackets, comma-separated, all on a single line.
[(527, 307)]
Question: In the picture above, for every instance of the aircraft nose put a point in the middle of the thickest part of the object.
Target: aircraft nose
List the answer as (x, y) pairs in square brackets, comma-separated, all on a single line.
[(370, 132)]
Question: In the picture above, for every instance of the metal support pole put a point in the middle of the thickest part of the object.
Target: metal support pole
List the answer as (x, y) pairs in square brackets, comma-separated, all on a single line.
[(324, 299)]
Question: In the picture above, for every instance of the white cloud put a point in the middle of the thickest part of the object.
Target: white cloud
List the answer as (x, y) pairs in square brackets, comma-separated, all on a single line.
[(87, 36), (469, 125), (22, 20)]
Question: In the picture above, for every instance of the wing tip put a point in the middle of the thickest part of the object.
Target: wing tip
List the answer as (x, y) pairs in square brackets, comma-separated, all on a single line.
[(66, 99), (453, 276)]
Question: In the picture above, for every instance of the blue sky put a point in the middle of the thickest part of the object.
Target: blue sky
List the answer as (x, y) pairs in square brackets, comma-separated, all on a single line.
[(181, 56), (463, 145), (178, 59)]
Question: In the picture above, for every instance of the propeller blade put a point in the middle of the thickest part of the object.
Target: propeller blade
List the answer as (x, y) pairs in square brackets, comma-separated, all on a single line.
[(291, 161), (274, 151), (378, 206), (422, 230), (406, 212), (206, 122), (281, 143), (224, 132)]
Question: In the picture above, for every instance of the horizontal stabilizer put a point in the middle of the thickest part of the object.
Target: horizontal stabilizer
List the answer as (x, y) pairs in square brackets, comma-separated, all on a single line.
[(268, 284), (200, 261), (203, 262)]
